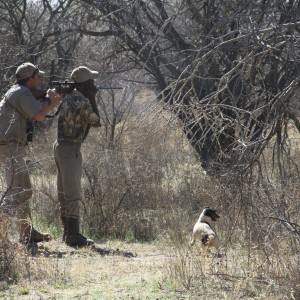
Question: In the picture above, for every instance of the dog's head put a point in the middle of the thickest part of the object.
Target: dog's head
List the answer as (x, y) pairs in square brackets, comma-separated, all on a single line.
[(209, 214)]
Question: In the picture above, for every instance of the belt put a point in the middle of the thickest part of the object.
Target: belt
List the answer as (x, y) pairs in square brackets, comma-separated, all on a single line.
[(11, 142)]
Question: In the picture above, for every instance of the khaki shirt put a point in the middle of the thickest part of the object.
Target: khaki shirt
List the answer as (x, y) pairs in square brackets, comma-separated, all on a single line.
[(75, 116), (16, 108)]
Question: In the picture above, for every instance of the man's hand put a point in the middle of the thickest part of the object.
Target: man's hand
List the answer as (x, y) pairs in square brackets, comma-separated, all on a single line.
[(55, 97)]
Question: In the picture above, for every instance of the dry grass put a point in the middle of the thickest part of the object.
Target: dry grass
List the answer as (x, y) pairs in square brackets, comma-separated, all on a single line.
[(234, 274), (86, 274), (155, 271)]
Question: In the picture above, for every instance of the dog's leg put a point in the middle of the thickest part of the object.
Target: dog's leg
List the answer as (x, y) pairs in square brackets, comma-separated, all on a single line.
[(192, 242)]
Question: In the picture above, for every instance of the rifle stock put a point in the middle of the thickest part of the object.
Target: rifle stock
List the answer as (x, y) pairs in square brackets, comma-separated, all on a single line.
[(39, 93)]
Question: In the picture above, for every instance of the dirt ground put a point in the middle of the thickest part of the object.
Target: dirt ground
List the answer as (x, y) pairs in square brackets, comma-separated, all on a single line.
[(109, 271)]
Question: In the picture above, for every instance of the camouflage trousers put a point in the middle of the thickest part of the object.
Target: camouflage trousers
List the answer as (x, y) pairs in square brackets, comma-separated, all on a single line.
[(68, 160)]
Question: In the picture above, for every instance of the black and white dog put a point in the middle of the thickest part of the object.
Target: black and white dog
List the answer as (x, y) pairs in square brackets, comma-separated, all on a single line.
[(202, 230)]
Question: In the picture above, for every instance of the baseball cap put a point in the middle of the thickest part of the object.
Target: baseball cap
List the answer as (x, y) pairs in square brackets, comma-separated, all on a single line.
[(26, 70), (82, 73)]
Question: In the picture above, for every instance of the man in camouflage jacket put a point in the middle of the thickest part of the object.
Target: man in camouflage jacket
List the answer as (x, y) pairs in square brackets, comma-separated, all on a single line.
[(76, 115)]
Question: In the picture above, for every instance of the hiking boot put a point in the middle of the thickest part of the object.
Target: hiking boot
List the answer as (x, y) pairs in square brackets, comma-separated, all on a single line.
[(71, 236), (31, 235), (78, 240), (28, 234)]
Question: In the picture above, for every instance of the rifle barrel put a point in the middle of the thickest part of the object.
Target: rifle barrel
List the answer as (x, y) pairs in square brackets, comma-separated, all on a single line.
[(99, 87)]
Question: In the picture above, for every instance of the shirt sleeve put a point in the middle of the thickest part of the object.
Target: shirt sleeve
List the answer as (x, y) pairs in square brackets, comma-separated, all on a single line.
[(90, 116), (28, 106)]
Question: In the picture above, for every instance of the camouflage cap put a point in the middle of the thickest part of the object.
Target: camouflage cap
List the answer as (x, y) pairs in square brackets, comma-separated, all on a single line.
[(26, 70), (82, 74)]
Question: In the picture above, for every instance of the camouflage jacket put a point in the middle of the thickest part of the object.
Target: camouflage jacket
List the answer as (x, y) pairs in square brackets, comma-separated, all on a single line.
[(75, 117)]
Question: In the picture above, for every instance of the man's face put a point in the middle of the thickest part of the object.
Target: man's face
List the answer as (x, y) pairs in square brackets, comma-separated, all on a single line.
[(34, 82)]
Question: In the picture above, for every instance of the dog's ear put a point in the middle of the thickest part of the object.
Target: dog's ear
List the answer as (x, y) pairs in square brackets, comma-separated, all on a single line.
[(211, 213)]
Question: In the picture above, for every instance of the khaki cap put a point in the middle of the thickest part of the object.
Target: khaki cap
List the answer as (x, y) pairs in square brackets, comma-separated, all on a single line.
[(26, 70), (82, 74)]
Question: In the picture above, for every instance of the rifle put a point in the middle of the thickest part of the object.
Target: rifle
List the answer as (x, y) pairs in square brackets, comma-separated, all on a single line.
[(63, 87), (66, 87)]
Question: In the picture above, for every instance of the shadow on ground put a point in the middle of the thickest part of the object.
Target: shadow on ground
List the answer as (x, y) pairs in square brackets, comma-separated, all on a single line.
[(38, 250)]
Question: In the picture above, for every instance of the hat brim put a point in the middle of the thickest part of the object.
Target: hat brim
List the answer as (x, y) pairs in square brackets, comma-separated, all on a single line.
[(94, 74)]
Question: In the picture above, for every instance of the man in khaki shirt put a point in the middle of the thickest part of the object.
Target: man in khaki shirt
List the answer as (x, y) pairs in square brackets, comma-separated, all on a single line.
[(17, 108)]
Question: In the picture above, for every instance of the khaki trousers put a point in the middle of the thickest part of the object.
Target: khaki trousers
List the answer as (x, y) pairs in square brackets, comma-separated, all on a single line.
[(68, 160), (17, 190)]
